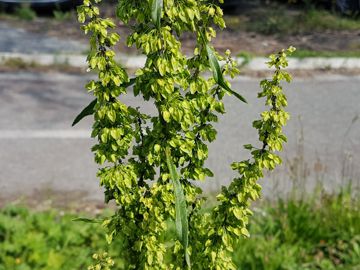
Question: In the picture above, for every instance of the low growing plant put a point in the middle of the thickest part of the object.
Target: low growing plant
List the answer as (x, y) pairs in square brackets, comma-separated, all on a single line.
[(322, 232), (150, 163), (24, 12)]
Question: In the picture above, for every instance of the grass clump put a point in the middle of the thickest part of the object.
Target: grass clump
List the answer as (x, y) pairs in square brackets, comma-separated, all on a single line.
[(321, 232), (47, 240), (18, 63), (25, 12), (301, 53), (325, 20), (277, 19), (60, 15)]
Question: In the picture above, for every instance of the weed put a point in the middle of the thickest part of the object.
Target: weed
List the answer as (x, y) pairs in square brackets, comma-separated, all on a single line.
[(301, 53), (324, 20), (273, 21), (276, 19), (320, 231), (246, 58), (18, 63), (24, 12), (48, 240), (61, 16)]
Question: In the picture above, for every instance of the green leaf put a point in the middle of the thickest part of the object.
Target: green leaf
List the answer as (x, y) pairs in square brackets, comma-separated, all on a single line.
[(89, 110), (129, 83), (156, 9), (181, 219), (87, 220), (214, 63), (248, 146), (218, 76)]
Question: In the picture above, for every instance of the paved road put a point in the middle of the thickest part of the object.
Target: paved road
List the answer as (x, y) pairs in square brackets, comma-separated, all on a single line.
[(18, 40), (39, 150)]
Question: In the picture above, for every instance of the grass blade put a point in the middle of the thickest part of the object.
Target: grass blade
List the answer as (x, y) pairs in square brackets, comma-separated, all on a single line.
[(87, 220), (218, 76), (181, 219), (89, 110)]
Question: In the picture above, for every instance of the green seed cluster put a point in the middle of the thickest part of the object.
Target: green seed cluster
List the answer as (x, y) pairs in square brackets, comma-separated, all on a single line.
[(229, 219), (103, 262), (131, 145)]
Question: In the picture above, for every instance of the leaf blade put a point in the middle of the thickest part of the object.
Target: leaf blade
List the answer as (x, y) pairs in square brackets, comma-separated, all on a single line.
[(237, 95), (217, 74), (156, 9), (88, 110), (86, 220), (129, 83), (214, 63), (181, 219)]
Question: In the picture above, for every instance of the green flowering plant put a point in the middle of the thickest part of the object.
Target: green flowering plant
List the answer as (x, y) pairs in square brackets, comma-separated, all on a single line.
[(149, 163)]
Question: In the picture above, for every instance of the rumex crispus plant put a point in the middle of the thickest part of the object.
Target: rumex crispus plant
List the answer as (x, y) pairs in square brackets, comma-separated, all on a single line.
[(149, 162)]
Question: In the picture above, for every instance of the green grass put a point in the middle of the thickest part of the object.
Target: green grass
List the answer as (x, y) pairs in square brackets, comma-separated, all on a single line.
[(324, 20), (61, 15), (246, 56), (46, 240), (322, 232), (24, 12), (307, 234), (277, 19), (300, 53)]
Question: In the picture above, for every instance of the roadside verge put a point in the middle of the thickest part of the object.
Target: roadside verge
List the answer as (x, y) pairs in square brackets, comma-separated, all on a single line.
[(134, 62)]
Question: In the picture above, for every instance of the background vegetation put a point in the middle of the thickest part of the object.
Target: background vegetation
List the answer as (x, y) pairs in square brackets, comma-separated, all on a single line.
[(283, 19), (317, 232)]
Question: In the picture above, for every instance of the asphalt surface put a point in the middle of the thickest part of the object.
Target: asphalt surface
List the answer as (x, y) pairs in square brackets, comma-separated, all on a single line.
[(18, 40), (39, 149)]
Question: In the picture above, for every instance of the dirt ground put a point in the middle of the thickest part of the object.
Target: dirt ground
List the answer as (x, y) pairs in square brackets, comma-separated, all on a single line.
[(45, 199)]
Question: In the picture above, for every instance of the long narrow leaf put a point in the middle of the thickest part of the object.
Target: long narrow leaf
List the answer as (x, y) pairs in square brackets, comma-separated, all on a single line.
[(181, 219), (214, 64), (226, 87), (156, 9), (87, 220), (217, 74), (89, 110), (129, 83)]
